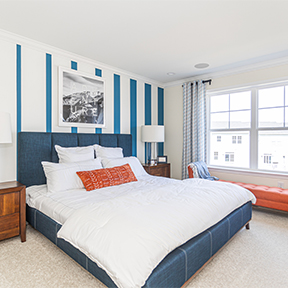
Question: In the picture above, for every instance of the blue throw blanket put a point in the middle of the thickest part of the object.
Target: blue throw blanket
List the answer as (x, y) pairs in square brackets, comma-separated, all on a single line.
[(203, 171)]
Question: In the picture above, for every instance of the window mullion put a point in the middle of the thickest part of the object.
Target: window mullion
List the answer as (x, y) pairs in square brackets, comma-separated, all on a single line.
[(284, 124), (253, 131), (229, 115)]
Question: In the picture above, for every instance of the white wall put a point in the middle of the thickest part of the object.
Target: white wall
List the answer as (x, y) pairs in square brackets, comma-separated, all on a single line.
[(33, 90), (173, 121), (8, 104), (173, 98)]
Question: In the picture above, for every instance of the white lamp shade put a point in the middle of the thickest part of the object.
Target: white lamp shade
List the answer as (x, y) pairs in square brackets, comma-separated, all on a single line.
[(5, 128), (152, 133)]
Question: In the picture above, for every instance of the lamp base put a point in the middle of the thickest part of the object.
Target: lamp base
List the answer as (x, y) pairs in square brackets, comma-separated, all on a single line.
[(154, 151), (151, 155)]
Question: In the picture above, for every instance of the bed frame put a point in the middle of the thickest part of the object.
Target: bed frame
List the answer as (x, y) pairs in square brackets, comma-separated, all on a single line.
[(176, 268)]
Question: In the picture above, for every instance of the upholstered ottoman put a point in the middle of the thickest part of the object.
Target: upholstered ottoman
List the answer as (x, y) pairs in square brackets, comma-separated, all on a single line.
[(270, 197)]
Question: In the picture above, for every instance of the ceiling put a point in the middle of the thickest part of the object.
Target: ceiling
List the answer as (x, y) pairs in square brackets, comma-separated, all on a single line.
[(152, 38)]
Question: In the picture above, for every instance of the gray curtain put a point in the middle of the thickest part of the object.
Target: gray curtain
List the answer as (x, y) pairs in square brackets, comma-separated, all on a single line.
[(194, 124)]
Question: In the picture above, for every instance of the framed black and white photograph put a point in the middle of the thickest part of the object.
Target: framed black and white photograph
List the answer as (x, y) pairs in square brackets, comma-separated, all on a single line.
[(81, 99)]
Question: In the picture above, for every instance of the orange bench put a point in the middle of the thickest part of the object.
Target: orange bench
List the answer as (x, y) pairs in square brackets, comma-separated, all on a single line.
[(270, 197)]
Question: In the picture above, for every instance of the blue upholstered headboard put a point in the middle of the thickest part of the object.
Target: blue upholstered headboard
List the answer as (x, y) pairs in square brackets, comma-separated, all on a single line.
[(34, 147)]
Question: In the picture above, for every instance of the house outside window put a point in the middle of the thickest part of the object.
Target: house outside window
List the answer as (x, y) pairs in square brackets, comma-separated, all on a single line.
[(256, 118)]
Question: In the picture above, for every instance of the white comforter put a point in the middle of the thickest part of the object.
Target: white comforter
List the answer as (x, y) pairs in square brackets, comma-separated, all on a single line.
[(130, 235)]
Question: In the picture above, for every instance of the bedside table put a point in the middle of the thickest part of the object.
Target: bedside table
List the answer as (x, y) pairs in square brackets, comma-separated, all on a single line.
[(12, 210), (161, 169)]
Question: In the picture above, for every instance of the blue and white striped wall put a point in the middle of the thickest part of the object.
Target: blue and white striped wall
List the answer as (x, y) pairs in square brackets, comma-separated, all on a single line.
[(29, 92)]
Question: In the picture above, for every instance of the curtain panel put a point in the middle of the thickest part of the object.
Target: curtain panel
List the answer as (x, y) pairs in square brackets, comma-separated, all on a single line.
[(194, 124)]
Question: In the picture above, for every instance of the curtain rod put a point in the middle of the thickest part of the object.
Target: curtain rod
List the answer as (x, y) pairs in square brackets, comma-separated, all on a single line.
[(207, 81), (204, 81)]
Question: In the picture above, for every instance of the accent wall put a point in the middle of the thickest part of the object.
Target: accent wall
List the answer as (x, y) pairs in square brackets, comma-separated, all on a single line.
[(29, 92)]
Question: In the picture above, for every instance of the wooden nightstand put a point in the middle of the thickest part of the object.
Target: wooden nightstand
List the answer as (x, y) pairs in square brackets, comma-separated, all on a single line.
[(12, 210), (162, 169)]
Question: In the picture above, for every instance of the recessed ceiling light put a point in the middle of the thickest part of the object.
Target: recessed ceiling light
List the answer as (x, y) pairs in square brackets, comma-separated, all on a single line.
[(171, 73), (201, 65)]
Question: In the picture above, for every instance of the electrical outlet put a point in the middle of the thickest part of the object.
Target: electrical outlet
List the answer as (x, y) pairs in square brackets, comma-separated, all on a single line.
[(280, 184)]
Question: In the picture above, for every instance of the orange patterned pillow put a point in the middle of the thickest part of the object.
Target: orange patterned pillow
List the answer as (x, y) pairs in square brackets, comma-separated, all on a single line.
[(100, 178)]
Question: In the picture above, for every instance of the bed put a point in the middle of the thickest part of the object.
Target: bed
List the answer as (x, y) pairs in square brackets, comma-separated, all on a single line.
[(176, 268)]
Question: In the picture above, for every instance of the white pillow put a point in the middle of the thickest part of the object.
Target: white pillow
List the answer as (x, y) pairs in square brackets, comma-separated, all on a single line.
[(134, 163), (108, 152), (62, 176), (74, 154)]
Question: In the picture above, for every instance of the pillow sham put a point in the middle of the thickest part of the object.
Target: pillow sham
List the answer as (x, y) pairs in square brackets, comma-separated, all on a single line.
[(74, 154), (108, 152), (62, 176), (134, 163), (100, 178)]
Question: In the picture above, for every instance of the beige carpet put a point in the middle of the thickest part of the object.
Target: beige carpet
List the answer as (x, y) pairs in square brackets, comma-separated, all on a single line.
[(254, 258)]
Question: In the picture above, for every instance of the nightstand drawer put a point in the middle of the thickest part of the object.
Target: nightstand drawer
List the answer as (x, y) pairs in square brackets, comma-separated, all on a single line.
[(162, 169), (9, 226), (159, 171), (12, 210), (9, 203)]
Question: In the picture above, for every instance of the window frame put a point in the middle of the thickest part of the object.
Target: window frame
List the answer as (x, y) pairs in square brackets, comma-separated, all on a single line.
[(253, 130)]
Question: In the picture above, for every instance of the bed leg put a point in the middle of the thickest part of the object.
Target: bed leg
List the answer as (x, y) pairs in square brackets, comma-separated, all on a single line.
[(247, 226)]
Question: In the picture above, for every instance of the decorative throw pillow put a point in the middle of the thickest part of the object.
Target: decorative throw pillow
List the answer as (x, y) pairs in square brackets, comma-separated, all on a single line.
[(100, 178)]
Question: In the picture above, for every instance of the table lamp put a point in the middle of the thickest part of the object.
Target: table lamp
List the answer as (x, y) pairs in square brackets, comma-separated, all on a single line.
[(152, 134)]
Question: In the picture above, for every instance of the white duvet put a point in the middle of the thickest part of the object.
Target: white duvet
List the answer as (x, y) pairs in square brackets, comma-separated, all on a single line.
[(129, 235)]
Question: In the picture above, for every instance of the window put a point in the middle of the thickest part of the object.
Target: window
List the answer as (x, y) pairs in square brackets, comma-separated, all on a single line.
[(229, 157), (236, 139), (215, 155), (252, 125), (267, 159)]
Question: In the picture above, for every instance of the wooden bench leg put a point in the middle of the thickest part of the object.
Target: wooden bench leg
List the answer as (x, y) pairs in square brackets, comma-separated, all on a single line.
[(247, 226)]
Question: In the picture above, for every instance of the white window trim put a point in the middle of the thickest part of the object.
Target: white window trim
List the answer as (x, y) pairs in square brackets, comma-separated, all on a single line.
[(243, 87), (246, 172), (253, 87)]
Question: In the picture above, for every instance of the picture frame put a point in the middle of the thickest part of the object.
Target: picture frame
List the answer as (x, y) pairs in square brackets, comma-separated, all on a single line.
[(162, 159), (81, 99)]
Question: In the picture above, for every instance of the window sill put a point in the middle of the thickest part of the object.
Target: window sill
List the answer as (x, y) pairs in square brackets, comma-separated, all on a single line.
[(257, 173)]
